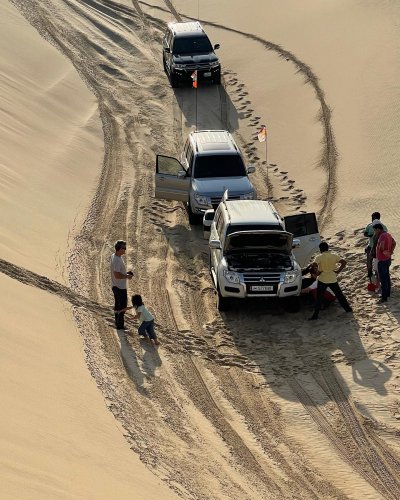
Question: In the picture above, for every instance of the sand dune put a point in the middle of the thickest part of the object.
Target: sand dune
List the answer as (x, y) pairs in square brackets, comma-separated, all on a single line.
[(252, 403)]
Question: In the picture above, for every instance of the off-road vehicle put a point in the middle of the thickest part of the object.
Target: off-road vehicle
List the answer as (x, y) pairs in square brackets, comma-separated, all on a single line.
[(253, 253), (210, 163), (187, 48)]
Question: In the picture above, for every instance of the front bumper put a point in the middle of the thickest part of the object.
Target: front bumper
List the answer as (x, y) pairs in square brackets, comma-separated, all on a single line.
[(247, 288), (184, 75)]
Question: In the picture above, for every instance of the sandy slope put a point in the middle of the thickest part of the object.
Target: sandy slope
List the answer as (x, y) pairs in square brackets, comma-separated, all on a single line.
[(251, 403), (57, 439)]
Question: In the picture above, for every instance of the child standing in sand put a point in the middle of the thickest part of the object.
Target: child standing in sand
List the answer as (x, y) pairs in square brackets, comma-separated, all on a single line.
[(146, 328)]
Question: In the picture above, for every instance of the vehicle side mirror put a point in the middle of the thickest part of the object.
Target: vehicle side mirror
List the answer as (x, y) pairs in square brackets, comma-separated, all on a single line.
[(181, 174), (207, 221), (167, 50), (217, 46), (214, 244), (296, 243), (208, 216), (251, 169)]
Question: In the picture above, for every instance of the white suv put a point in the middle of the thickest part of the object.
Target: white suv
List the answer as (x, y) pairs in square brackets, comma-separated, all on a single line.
[(210, 163), (252, 251)]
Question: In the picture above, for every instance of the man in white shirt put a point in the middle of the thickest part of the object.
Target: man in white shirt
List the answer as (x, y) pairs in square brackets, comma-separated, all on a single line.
[(118, 280)]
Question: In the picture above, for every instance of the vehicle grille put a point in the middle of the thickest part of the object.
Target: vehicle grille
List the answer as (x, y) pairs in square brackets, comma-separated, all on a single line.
[(259, 279), (216, 200), (265, 279), (199, 67)]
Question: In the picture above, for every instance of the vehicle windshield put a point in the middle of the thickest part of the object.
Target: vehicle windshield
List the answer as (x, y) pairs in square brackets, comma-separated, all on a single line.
[(192, 45), (219, 166), (273, 241)]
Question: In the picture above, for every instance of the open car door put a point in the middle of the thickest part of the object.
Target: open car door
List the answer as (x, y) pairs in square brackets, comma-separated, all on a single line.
[(304, 227), (171, 182)]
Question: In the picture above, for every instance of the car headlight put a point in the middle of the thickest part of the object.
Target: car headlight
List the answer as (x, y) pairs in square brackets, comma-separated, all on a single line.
[(231, 276), (202, 200), (248, 196), (178, 66), (214, 64), (291, 276)]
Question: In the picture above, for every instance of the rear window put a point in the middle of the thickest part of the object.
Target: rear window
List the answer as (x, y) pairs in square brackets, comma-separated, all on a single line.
[(192, 45), (219, 166)]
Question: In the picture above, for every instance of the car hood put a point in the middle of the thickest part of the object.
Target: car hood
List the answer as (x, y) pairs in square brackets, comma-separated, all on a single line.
[(212, 186), (195, 58), (263, 241)]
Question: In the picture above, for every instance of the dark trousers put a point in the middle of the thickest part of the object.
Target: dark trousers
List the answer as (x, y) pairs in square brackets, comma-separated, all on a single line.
[(370, 258), (384, 276), (321, 288), (147, 327), (121, 301)]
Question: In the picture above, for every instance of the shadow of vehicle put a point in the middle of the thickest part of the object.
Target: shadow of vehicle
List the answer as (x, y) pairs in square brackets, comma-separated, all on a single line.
[(211, 103)]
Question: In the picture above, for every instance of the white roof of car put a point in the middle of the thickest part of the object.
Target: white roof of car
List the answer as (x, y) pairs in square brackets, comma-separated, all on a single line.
[(214, 140), (252, 212), (187, 27)]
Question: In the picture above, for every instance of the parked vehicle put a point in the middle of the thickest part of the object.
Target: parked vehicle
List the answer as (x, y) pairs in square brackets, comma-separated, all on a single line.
[(253, 253), (210, 163), (187, 48)]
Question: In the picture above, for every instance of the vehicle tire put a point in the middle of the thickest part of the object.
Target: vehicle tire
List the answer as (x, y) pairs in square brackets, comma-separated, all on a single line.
[(217, 78), (292, 304), (164, 64), (193, 218), (222, 302), (174, 80)]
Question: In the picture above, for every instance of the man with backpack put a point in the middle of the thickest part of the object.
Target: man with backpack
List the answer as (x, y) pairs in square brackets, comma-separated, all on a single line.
[(384, 249)]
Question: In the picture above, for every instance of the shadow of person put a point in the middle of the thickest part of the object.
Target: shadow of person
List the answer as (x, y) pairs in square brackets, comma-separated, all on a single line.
[(283, 346), (151, 358), (131, 363), (371, 373)]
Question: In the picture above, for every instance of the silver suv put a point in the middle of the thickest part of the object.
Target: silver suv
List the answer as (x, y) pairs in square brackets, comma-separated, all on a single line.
[(252, 251), (210, 163)]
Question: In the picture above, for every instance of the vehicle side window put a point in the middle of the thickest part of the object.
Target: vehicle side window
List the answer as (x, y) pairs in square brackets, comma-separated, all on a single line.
[(219, 225), (190, 158), (165, 39), (168, 38), (171, 41), (186, 149)]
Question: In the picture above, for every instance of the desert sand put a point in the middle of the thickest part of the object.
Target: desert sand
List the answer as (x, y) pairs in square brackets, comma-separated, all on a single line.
[(250, 403)]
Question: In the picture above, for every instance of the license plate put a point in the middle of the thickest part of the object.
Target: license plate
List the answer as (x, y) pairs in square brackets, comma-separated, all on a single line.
[(208, 73), (262, 288)]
